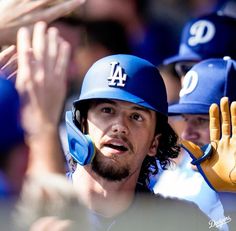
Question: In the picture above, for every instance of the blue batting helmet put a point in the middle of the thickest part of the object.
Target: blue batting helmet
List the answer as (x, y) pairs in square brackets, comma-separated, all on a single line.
[(128, 78), (117, 77)]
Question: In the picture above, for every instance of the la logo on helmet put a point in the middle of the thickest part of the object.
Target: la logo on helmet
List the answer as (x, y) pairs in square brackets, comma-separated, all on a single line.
[(117, 76), (202, 31), (189, 83)]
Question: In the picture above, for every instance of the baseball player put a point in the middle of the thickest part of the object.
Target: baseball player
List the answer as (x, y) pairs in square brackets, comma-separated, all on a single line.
[(117, 131), (206, 83), (208, 36)]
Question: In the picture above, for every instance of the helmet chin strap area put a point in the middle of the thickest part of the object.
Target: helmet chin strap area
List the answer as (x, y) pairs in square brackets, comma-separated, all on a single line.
[(81, 146)]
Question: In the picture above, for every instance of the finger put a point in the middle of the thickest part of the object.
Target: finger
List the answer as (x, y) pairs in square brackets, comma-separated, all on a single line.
[(37, 3), (10, 67), (39, 40), (24, 8), (52, 51), (63, 60), (54, 12), (233, 118), (23, 47), (6, 55), (214, 122), (7, 5), (193, 149), (63, 8), (12, 77), (39, 45), (225, 115)]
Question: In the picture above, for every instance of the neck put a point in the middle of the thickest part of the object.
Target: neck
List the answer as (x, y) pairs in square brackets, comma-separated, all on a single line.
[(105, 197)]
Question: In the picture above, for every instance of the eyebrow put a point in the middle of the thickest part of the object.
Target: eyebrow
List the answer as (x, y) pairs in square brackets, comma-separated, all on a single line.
[(138, 108)]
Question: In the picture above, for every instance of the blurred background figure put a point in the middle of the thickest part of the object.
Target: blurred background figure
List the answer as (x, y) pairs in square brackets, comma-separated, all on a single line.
[(209, 36), (206, 82), (69, 29), (98, 38), (148, 38), (90, 40)]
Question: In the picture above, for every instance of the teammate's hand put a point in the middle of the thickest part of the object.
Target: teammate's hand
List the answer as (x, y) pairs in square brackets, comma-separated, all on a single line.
[(41, 82), (8, 63), (17, 13), (41, 78), (218, 168)]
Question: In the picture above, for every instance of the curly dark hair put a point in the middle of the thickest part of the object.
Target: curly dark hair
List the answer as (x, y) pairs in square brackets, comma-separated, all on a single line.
[(167, 148)]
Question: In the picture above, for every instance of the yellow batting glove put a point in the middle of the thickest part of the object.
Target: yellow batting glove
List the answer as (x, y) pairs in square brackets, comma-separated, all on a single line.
[(217, 160)]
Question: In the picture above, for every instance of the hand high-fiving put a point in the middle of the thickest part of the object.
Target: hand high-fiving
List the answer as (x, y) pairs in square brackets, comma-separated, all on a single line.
[(218, 165), (43, 58), (15, 14)]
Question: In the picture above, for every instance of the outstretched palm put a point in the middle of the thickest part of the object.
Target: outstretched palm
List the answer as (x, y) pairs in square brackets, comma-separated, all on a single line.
[(219, 169)]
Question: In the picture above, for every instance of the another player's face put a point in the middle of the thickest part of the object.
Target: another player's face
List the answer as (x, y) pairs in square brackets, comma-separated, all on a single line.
[(123, 134), (196, 129)]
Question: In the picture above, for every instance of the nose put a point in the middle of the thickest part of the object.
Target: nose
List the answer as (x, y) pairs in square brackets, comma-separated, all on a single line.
[(120, 126), (190, 132)]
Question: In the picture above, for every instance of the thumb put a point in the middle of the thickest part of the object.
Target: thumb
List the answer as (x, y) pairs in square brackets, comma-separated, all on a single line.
[(193, 150)]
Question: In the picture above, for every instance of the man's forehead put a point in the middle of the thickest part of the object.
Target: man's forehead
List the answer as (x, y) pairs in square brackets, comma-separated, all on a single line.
[(195, 116), (122, 103)]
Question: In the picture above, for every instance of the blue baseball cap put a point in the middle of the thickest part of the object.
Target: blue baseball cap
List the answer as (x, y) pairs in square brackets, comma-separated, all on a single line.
[(10, 127), (208, 36), (128, 78), (206, 83)]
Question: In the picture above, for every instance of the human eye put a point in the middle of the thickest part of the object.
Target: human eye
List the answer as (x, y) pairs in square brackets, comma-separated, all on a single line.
[(137, 117), (107, 110), (202, 121), (185, 119)]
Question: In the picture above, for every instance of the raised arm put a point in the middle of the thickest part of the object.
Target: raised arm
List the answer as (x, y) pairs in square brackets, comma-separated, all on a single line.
[(218, 160), (17, 13), (41, 82)]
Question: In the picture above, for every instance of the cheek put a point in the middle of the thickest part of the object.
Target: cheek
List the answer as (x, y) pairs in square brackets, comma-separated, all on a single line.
[(95, 132), (206, 136), (143, 140)]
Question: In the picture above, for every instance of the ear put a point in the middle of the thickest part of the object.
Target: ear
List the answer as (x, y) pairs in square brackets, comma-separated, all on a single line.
[(154, 145)]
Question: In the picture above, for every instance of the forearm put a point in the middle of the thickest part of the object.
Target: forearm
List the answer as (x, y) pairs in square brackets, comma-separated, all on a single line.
[(46, 155)]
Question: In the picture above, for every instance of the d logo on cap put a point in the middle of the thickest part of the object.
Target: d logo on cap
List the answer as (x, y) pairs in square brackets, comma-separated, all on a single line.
[(203, 31), (189, 83)]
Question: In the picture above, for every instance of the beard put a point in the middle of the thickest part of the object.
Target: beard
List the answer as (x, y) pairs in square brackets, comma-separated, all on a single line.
[(108, 171)]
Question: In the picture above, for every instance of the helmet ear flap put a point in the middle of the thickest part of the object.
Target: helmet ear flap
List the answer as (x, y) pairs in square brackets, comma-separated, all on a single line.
[(81, 146)]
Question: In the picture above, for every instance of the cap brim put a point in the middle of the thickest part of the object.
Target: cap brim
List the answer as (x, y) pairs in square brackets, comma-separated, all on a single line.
[(178, 109)]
